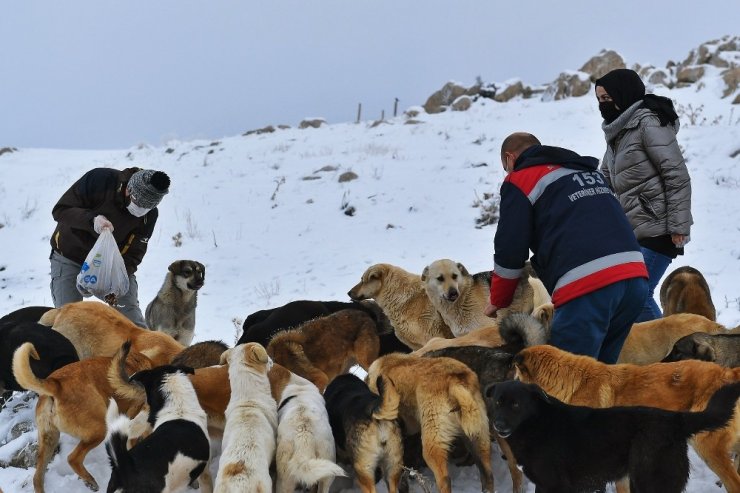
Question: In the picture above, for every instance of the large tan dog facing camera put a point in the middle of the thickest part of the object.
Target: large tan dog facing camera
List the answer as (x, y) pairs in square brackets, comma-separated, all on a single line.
[(403, 299), (682, 386), (460, 298), (173, 309), (96, 329)]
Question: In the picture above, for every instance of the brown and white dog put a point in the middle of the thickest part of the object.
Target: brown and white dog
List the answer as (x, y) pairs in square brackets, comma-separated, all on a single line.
[(403, 299), (686, 291), (173, 309), (442, 397), (96, 329), (460, 298), (305, 444), (248, 445), (74, 400)]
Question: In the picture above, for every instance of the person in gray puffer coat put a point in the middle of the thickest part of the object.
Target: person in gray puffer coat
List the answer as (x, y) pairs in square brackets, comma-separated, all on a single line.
[(644, 166)]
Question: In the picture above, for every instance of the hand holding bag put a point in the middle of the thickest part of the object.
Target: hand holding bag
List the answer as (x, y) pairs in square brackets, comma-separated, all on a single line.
[(103, 273)]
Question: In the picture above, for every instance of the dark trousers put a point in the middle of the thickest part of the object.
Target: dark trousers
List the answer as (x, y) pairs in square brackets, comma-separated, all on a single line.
[(596, 324), (656, 264)]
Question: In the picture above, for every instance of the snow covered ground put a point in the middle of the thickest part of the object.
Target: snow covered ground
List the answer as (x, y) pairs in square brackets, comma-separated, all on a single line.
[(269, 225)]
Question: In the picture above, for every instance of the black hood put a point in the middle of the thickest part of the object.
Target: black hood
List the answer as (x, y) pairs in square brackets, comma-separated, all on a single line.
[(539, 154)]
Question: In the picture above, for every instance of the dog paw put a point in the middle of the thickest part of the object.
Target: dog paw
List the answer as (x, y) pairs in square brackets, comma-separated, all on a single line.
[(92, 485)]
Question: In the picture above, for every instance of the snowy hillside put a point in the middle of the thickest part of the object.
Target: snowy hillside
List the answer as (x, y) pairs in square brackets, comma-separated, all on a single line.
[(266, 214)]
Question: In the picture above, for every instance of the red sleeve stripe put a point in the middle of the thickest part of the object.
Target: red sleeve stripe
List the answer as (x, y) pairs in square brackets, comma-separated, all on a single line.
[(598, 280), (526, 179), (502, 290)]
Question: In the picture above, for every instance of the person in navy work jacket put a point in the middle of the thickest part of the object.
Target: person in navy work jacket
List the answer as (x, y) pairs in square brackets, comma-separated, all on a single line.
[(557, 204)]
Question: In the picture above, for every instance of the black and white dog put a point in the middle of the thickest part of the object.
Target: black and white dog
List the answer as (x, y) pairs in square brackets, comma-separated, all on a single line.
[(176, 452)]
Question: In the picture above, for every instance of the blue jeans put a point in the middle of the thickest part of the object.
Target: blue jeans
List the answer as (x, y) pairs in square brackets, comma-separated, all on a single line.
[(656, 264), (596, 324)]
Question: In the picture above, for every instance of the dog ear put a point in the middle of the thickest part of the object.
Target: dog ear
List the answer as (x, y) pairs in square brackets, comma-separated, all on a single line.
[(174, 267), (463, 270), (488, 392), (376, 272), (188, 370), (224, 358), (541, 394), (704, 351), (425, 273), (258, 353)]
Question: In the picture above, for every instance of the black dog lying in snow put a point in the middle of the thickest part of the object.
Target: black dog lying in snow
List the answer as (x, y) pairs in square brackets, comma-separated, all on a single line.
[(575, 449)]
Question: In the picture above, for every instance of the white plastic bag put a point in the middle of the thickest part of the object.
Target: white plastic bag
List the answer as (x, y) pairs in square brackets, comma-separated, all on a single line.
[(103, 273)]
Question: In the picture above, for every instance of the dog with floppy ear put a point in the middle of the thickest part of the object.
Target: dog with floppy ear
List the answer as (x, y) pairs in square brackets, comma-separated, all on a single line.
[(73, 399), (305, 445), (442, 397), (172, 311), (96, 329), (176, 452), (460, 298), (686, 291), (403, 299), (723, 349), (248, 446)]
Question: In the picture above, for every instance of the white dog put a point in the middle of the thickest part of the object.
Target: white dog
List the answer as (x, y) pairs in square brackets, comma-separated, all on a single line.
[(305, 444), (248, 446)]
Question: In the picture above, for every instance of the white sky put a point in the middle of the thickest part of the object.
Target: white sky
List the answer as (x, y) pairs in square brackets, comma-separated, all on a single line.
[(105, 74)]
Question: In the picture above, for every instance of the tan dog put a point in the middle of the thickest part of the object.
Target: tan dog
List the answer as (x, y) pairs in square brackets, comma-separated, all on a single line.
[(682, 386), (535, 331), (460, 298), (325, 347), (442, 397), (96, 329), (686, 291), (73, 400), (403, 299), (649, 342)]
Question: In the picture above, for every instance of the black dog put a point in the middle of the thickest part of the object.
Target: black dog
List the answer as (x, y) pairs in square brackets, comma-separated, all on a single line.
[(261, 326), (53, 348), (576, 449), (176, 452), (366, 442), (25, 314)]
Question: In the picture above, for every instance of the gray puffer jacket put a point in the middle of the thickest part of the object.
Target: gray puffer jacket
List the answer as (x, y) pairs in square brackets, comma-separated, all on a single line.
[(644, 166)]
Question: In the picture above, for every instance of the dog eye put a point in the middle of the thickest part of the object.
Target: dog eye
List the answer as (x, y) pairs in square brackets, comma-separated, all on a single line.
[(440, 278), (454, 277), (515, 405)]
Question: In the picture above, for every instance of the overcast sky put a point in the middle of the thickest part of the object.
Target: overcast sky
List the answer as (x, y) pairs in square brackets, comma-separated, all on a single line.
[(113, 74)]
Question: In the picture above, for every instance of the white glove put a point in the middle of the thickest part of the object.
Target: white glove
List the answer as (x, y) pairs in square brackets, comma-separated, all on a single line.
[(100, 222)]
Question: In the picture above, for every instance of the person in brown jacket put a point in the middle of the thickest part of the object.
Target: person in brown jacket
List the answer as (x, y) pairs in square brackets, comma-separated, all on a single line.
[(124, 202)]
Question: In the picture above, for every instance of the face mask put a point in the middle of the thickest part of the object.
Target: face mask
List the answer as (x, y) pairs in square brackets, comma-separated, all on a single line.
[(609, 111), (135, 210)]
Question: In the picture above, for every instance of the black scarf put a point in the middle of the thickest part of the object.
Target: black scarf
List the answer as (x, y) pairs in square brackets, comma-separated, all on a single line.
[(626, 88)]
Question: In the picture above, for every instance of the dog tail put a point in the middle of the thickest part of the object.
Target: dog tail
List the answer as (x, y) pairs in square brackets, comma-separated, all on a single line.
[(25, 376), (719, 411), (390, 399), (473, 417), (118, 377), (116, 440), (311, 471), (49, 317), (523, 329)]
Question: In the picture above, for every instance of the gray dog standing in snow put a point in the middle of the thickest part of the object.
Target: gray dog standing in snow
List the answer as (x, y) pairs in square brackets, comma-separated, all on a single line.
[(172, 311)]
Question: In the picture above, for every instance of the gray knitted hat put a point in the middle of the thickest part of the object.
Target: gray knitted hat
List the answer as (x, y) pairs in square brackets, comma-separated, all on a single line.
[(147, 187)]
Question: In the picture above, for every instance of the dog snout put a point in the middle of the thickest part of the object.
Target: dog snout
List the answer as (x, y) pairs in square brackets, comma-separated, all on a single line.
[(452, 294)]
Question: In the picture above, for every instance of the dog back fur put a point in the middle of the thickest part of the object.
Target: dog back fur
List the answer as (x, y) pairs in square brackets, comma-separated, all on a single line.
[(649, 342), (305, 445), (403, 299), (172, 310), (682, 386), (96, 329), (325, 347), (201, 354), (686, 291)]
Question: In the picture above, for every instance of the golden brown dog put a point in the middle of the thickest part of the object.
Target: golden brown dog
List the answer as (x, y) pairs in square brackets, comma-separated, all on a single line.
[(460, 298), (649, 342), (686, 291), (96, 329), (682, 386), (403, 298), (441, 396), (73, 400), (325, 347), (535, 332)]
